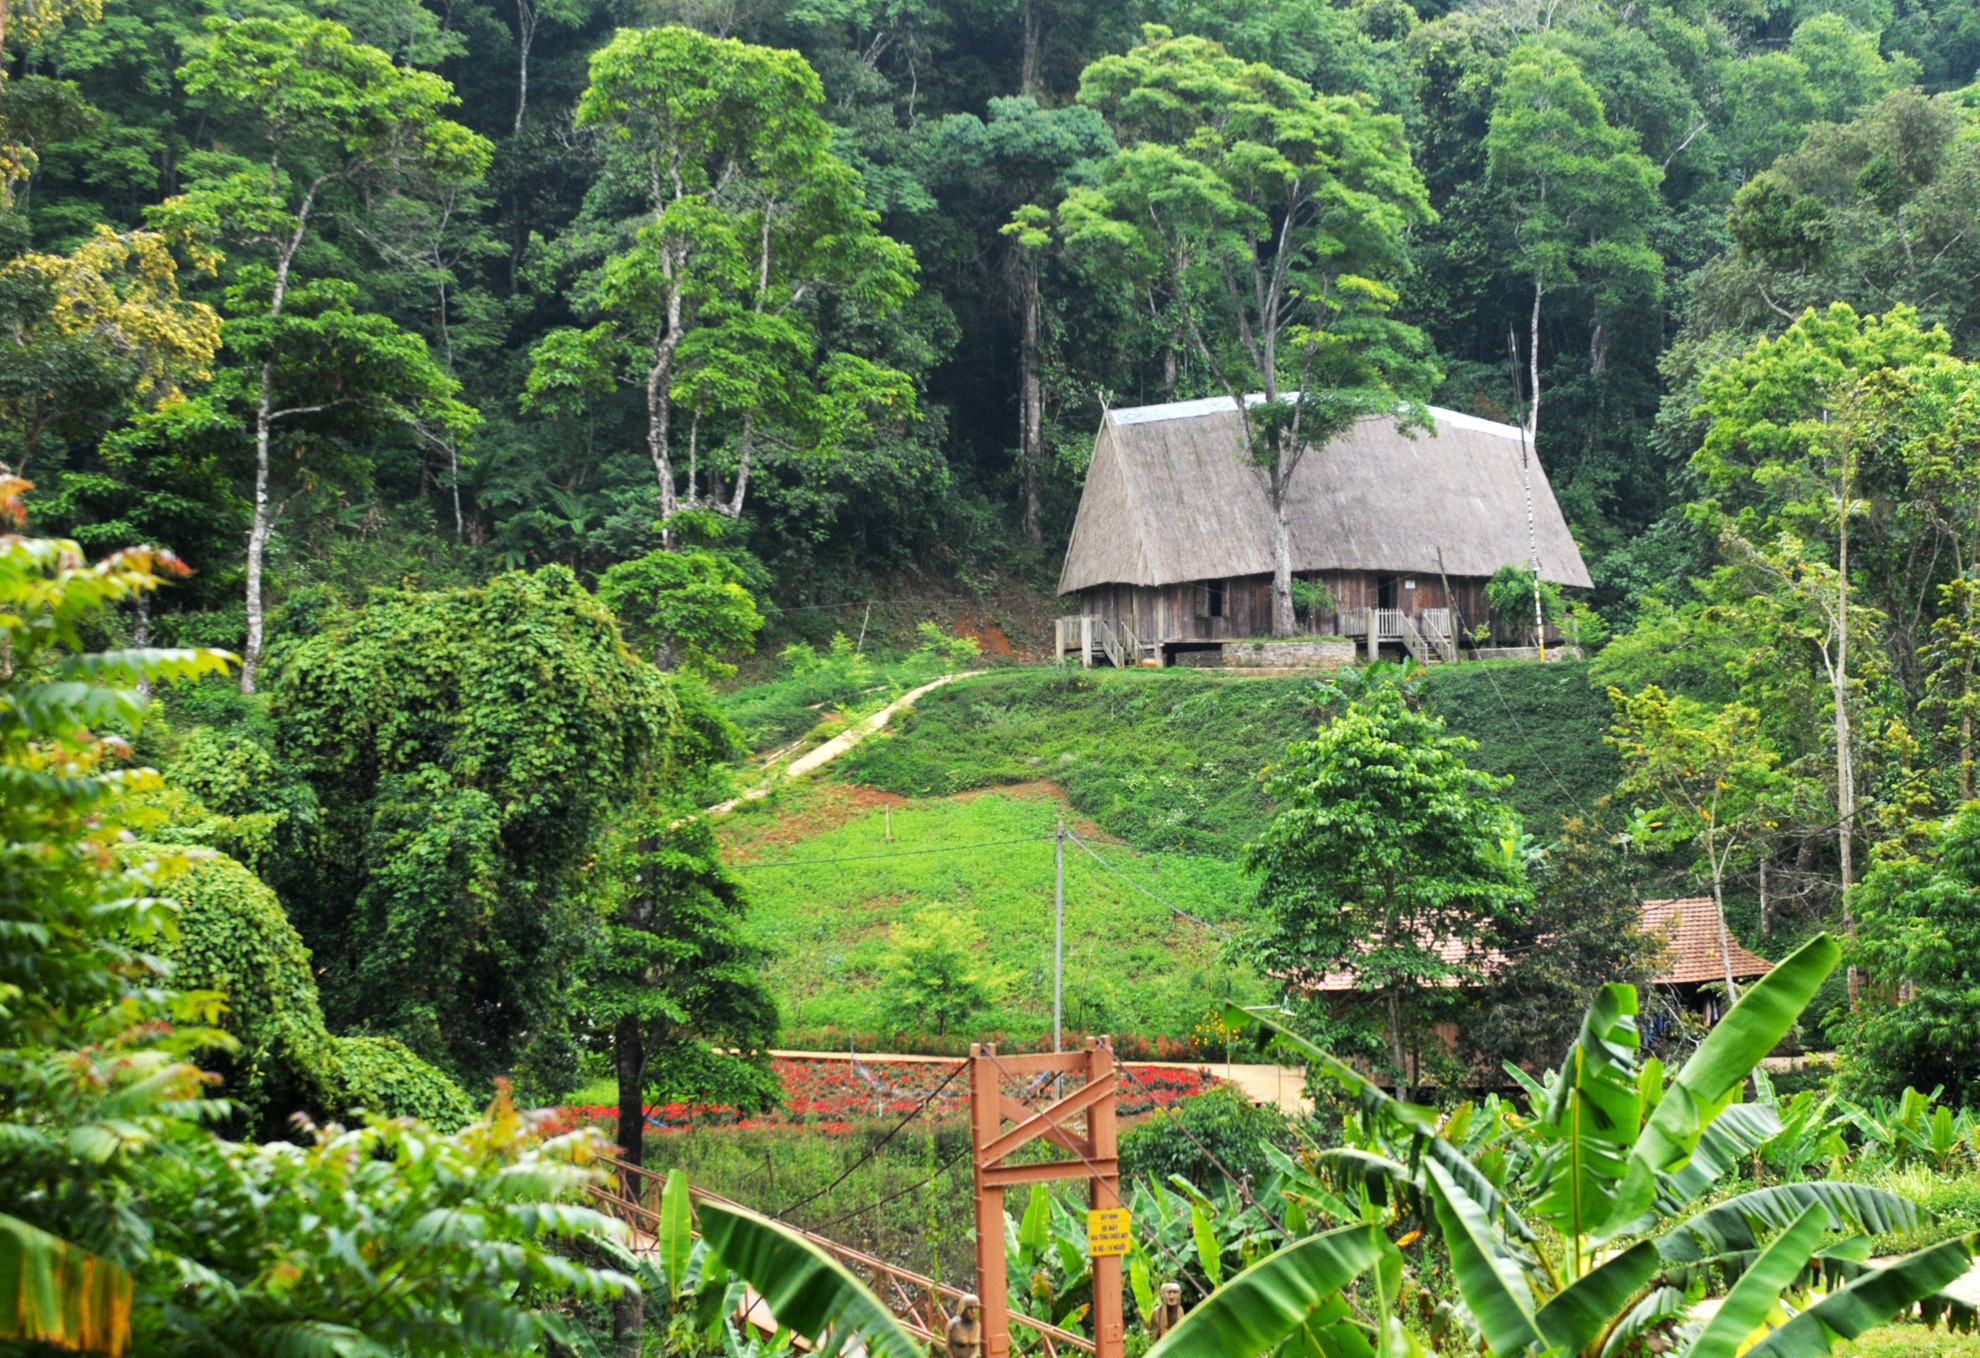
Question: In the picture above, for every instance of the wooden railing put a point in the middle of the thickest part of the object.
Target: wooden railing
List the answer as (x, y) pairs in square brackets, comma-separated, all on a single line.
[(916, 1301)]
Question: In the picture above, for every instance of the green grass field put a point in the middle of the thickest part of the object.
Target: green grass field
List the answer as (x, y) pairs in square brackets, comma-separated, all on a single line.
[(1910, 1341), (1167, 761), (1130, 965)]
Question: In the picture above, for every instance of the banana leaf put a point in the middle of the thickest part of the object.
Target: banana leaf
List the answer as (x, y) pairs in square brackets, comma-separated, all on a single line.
[(1759, 1289), (1750, 1029), (1374, 1101), (52, 1292), (807, 1290), (1870, 1301), (1737, 1132), (674, 1236), (1574, 1316), (1488, 1278), (1268, 1301), (1733, 1224), (1660, 1305), (1594, 1108)]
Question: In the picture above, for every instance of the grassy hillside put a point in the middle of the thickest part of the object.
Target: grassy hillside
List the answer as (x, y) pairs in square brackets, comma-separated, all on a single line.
[(1157, 757), (1165, 760), (1131, 966), (1170, 758), (1542, 724)]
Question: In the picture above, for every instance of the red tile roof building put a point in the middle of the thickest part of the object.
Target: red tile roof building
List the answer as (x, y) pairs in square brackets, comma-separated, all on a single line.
[(1691, 927)]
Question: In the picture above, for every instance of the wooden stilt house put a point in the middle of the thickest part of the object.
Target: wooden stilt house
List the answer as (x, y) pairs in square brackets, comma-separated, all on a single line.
[(1172, 546)]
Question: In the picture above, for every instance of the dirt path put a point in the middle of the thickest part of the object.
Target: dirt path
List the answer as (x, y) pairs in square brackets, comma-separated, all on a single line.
[(1278, 1085), (838, 744)]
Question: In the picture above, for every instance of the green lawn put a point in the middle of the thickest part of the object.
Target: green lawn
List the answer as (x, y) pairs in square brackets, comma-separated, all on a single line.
[(1911, 1341), (1130, 965)]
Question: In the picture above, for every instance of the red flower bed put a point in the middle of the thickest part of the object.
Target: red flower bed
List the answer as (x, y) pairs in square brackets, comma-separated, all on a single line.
[(830, 1096)]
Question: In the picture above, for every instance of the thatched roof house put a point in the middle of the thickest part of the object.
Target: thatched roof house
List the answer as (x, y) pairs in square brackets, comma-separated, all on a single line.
[(1173, 535)]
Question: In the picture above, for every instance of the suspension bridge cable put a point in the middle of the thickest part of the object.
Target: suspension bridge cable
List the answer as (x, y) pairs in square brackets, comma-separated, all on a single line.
[(1174, 909), (940, 1170), (1235, 1181), (897, 853), (879, 1145)]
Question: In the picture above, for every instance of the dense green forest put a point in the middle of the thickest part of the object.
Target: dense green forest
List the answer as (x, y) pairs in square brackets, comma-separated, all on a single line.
[(463, 352)]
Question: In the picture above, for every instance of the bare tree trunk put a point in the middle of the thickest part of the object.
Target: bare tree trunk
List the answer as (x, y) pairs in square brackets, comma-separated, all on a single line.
[(1396, 1052), (1031, 415), (141, 636), (1028, 65), (1725, 938), (1283, 622), (1533, 367), (629, 1063), (1845, 764), (628, 1324), (525, 39), (258, 532)]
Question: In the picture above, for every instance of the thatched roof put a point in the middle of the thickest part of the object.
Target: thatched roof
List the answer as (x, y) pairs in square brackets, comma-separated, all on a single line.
[(1170, 496)]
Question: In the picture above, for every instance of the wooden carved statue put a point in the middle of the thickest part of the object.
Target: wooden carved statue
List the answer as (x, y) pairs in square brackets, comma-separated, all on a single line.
[(965, 1336), (1168, 1309)]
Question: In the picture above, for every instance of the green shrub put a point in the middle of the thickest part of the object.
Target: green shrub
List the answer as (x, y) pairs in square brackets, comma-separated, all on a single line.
[(233, 938), (1229, 1127)]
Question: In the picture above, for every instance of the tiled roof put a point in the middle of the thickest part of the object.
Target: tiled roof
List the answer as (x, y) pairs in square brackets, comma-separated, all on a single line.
[(1694, 942), (1693, 938)]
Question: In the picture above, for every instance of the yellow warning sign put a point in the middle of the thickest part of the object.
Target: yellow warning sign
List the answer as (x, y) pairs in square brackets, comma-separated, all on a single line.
[(1107, 1232)]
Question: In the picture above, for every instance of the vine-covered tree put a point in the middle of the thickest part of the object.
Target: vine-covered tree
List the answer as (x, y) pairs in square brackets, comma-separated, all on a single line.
[(467, 751)]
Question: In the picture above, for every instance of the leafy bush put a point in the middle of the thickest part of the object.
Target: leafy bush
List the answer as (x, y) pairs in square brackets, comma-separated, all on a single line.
[(1510, 594), (233, 938), (933, 971), (1230, 1127)]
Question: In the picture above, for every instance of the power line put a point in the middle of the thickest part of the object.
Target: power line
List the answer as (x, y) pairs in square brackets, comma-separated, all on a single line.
[(899, 853), (1527, 740), (940, 1170), (877, 1146), (1175, 909)]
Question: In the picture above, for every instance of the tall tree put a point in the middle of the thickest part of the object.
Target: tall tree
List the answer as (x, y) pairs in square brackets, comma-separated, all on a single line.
[(746, 224), (1790, 422), (1388, 858), (1275, 219), (675, 991), (1020, 163), (331, 115), (1582, 195)]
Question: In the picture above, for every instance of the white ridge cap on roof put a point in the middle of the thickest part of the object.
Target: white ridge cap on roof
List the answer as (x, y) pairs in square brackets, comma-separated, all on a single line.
[(1214, 405)]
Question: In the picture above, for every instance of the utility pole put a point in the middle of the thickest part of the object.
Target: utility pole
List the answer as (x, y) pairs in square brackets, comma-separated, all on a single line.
[(1058, 932)]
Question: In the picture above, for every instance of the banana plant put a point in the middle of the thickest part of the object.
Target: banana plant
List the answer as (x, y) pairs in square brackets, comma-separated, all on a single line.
[(698, 1283), (1611, 1163), (1915, 1127)]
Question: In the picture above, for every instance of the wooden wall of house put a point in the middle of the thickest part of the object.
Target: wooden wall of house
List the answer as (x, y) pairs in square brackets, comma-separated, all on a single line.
[(1182, 612)]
